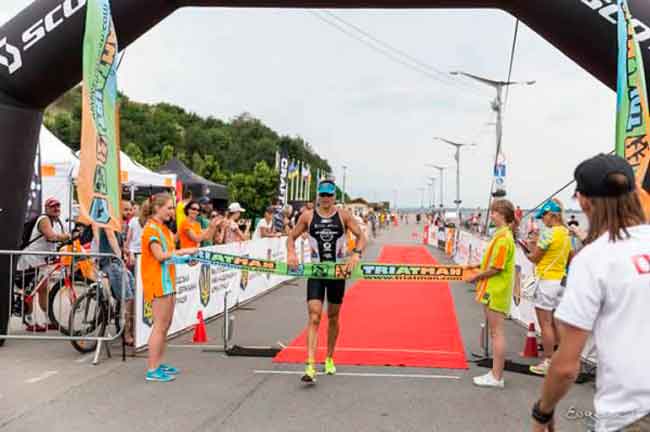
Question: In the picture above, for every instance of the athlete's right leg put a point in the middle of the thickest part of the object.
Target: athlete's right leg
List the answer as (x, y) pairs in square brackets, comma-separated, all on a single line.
[(314, 310)]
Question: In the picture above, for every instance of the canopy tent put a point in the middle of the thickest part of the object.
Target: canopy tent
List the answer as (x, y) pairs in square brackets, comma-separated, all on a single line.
[(194, 182), (60, 165)]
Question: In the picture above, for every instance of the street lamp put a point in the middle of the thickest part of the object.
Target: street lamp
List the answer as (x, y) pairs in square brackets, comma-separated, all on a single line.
[(457, 157), (395, 200), (441, 169), (421, 189), (432, 198), (343, 191), (497, 106)]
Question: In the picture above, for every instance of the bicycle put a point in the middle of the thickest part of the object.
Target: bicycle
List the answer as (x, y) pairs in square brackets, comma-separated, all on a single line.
[(68, 279), (91, 315)]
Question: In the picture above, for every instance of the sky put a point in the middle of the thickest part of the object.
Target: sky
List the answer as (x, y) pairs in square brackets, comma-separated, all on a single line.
[(360, 109)]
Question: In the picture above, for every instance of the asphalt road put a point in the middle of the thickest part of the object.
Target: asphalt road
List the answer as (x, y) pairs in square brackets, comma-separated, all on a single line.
[(49, 387)]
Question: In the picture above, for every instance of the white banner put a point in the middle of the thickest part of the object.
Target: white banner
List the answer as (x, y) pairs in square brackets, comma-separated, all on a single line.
[(202, 287)]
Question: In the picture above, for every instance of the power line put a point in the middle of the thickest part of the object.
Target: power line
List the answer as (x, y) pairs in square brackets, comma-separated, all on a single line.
[(512, 59), (444, 76), (385, 49)]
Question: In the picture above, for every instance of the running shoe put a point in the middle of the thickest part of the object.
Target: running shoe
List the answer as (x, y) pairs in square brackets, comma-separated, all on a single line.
[(35, 328), (488, 380), (310, 374), (542, 368), (159, 375), (169, 369), (330, 369)]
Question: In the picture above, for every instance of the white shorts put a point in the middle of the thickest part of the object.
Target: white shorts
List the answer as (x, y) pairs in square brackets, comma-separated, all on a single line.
[(548, 294)]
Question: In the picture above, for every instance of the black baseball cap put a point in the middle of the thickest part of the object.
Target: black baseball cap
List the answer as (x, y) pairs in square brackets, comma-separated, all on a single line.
[(592, 176)]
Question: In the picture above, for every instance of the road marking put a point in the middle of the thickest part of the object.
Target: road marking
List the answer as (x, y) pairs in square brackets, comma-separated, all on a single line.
[(41, 377), (361, 374), (396, 350)]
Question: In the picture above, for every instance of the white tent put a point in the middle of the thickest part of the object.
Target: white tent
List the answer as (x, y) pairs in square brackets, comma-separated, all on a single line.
[(60, 165)]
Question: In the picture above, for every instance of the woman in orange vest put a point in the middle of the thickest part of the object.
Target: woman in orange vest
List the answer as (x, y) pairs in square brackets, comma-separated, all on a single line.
[(159, 279)]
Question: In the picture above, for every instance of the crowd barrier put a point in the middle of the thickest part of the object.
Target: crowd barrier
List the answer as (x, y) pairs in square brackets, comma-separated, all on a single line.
[(79, 305), (466, 248), (202, 287)]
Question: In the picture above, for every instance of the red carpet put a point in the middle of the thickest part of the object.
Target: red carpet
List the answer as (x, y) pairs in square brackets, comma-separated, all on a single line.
[(397, 323)]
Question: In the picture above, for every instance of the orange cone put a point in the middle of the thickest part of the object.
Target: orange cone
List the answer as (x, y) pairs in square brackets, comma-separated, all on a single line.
[(530, 349), (200, 334)]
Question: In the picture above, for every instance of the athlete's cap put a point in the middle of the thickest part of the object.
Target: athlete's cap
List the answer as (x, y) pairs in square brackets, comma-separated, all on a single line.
[(51, 202), (592, 176), (326, 187), (549, 206)]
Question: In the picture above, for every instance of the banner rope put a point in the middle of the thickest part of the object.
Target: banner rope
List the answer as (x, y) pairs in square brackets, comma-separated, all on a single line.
[(332, 270)]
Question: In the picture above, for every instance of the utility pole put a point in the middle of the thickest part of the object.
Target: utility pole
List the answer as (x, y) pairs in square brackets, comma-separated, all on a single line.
[(395, 199), (457, 157), (497, 106)]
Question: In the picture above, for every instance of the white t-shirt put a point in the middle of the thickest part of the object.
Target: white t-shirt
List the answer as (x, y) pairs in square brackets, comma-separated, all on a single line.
[(262, 224), (608, 293), (136, 236)]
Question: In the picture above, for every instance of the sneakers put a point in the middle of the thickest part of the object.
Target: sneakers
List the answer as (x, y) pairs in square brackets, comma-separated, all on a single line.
[(310, 374), (32, 326), (169, 369), (159, 375), (488, 380), (330, 369), (542, 368)]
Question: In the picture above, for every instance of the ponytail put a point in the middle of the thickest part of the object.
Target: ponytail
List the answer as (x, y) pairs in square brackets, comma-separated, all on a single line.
[(150, 206)]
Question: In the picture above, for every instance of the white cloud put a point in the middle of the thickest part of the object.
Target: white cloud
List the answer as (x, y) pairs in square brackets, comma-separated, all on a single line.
[(303, 77)]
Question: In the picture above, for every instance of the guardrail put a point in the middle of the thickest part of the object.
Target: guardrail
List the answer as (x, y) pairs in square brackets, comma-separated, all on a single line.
[(67, 296)]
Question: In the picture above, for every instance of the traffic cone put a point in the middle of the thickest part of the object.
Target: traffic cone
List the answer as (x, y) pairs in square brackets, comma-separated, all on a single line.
[(530, 349), (200, 334)]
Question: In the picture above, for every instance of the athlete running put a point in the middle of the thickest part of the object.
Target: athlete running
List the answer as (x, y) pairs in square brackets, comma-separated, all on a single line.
[(326, 227)]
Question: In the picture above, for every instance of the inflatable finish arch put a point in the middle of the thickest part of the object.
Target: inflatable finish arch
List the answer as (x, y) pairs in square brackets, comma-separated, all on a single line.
[(40, 59)]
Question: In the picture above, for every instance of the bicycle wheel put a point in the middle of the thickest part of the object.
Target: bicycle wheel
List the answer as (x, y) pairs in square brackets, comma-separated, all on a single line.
[(88, 317), (60, 302)]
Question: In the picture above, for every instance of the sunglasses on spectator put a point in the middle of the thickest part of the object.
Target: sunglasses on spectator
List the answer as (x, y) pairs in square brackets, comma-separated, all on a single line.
[(194, 208), (325, 195), (54, 206)]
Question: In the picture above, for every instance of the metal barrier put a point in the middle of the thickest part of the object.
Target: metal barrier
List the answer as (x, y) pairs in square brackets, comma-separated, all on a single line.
[(78, 300)]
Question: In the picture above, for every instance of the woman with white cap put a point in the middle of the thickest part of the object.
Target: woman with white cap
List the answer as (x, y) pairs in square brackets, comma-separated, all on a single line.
[(232, 231), (550, 252)]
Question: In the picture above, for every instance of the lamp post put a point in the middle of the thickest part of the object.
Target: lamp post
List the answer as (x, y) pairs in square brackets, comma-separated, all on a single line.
[(497, 106), (343, 191), (457, 157), (395, 199), (421, 189), (433, 192), (441, 170)]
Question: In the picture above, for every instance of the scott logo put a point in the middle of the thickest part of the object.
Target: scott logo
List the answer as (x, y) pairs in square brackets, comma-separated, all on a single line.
[(14, 61), (36, 32)]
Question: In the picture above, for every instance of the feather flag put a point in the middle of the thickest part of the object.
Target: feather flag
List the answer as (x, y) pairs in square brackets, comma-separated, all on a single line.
[(632, 117), (99, 171)]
